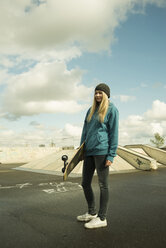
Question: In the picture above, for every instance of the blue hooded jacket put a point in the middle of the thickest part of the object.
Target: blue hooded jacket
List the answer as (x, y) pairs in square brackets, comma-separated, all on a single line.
[(101, 138)]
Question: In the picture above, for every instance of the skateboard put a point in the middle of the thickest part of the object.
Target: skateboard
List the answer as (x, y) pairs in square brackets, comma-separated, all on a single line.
[(69, 166)]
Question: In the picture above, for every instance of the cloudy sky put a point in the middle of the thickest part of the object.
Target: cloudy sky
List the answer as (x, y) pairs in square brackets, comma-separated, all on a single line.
[(54, 52)]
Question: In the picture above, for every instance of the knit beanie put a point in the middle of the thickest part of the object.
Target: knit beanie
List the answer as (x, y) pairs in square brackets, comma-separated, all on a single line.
[(103, 87)]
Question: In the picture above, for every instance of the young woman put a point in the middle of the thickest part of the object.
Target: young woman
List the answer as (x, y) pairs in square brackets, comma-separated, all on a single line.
[(100, 134)]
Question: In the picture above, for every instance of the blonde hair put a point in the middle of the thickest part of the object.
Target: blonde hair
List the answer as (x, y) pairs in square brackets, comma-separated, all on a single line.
[(103, 107)]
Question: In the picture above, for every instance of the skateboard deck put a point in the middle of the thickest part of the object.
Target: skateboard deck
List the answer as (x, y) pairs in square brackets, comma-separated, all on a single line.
[(69, 166)]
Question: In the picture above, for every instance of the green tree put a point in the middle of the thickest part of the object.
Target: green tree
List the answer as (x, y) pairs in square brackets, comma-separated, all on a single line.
[(158, 140)]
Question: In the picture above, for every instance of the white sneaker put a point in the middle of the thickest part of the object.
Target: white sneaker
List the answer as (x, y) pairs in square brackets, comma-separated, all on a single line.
[(86, 217), (96, 223)]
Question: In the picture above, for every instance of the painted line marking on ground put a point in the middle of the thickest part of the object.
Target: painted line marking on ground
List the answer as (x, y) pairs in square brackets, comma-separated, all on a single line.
[(57, 187), (20, 186)]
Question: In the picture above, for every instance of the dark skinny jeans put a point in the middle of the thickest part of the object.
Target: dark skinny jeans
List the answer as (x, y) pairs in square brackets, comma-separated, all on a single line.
[(90, 164)]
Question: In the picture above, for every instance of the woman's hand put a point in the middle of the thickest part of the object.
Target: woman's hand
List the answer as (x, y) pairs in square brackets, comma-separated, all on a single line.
[(108, 163)]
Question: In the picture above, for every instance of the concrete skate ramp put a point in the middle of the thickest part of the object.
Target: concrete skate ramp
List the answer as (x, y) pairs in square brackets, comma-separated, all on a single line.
[(136, 159), (14, 155), (125, 161), (155, 153), (139, 150), (52, 164)]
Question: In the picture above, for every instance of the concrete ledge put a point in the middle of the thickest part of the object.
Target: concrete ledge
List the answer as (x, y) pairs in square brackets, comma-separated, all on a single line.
[(155, 153), (138, 160)]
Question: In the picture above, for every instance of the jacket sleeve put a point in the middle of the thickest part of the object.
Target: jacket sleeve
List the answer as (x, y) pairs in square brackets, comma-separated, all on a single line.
[(113, 127), (83, 136)]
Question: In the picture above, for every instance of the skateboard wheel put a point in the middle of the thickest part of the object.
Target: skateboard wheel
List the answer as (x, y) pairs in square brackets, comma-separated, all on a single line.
[(64, 157)]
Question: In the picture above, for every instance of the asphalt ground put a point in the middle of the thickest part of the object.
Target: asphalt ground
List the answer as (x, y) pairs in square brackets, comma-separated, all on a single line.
[(39, 211)]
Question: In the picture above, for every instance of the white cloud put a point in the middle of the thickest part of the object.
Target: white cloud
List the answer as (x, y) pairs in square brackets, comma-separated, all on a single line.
[(57, 23), (49, 34), (72, 130), (41, 134), (157, 128), (143, 85), (140, 129), (37, 40), (158, 111), (136, 129), (11, 138), (53, 24), (124, 98), (45, 88), (3, 76)]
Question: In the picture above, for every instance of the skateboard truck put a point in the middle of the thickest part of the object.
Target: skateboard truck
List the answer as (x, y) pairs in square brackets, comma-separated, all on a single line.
[(64, 158)]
